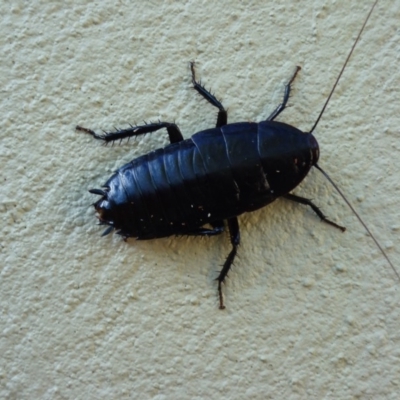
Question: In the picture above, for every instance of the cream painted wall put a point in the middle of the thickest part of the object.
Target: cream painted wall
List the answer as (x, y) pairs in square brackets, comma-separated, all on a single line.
[(311, 312)]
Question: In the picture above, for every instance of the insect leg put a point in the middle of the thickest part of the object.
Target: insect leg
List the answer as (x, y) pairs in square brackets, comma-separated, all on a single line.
[(174, 133), (204, 232), (234, 232), (218, 225), (286, 96), (308, 202), (222, 118), (217, 229)]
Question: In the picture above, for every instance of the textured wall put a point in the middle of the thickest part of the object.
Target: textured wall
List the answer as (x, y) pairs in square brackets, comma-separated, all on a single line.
[(311, 312)]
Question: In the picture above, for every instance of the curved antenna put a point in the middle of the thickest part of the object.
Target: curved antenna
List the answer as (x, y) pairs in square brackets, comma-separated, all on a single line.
[(359, 218), (343, 68)]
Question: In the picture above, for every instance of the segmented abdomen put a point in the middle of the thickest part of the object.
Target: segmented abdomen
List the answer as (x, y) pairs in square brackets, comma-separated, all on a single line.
[(216, 174), (167, 191)]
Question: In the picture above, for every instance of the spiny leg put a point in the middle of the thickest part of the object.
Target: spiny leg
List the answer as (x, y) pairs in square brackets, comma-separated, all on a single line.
[(222, 118), (286, 96), (234, 233), (308, 202), (174, 133)]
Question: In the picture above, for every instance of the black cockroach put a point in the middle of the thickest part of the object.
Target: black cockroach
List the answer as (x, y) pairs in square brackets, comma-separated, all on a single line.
[(192, 186)]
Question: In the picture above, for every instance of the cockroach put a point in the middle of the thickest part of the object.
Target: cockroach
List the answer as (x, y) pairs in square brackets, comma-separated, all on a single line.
[(193, 186)]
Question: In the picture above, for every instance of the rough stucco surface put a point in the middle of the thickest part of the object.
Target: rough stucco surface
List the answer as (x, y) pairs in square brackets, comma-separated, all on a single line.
[(311, 312)]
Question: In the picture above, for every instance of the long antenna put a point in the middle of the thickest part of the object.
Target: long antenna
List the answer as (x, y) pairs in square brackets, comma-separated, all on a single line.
[(343, 68), (324, 173), (359, 218)]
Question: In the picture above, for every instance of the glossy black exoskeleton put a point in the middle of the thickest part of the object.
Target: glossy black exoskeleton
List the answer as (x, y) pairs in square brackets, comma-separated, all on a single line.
[(192, 186)]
